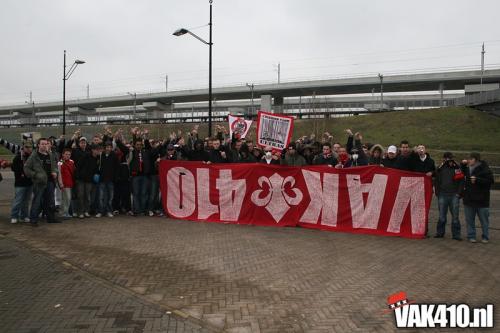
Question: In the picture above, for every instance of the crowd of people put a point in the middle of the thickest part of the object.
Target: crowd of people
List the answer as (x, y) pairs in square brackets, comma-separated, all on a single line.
[(110, 174)]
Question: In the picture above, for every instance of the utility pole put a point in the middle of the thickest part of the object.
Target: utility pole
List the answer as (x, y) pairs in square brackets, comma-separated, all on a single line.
[(31, 96), (279, 72), (251, 86), (166, 83), (381, 77), (482, 67), (88, 90)]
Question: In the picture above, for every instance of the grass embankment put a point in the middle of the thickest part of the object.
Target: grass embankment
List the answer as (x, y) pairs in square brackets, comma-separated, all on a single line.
[(457, 129)]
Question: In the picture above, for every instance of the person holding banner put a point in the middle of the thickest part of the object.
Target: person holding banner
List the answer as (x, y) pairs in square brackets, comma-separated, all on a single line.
[(292, 157), (269, 157), (326, 157)]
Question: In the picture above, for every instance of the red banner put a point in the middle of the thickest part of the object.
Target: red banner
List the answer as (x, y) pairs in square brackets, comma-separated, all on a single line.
[(369, 199)]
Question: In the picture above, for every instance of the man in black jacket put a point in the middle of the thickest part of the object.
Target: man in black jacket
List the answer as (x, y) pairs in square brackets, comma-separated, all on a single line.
[(23, 186), (108, 169), (422, 162), (139, 160), (476, 194), (447, 184)]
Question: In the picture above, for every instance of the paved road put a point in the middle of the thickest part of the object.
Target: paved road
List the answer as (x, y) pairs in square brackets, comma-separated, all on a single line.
[(260, 279)]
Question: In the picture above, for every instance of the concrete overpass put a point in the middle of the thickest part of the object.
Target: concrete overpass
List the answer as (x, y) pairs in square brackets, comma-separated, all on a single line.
[(161, 103)]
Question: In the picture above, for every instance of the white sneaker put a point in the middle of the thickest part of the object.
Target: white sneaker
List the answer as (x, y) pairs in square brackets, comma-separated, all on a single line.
[(484, 241), (27, 220), (98, 215), (81, 216), (472, 240), (86, 214), (151, 213), (13, 221), (75, 215), (109, 215)]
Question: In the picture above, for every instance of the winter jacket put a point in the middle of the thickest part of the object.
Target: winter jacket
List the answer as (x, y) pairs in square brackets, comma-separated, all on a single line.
[(33, 168), (390, 162), (425, 166), (21, 180), (449, 178), (376, 161), (294, 160), (67, 173), (477, 195), (109, 167), (321, 159)]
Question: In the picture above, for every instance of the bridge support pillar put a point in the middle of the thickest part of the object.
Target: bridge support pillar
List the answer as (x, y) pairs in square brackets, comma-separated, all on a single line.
[(266, 103), (278, 104)]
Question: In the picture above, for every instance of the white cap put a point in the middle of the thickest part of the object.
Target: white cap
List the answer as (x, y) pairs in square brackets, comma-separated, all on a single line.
[(392, 149)]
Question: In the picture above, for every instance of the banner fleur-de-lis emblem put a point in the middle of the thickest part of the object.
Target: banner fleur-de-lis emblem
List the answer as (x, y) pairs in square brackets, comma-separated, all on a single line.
[(277, 201)]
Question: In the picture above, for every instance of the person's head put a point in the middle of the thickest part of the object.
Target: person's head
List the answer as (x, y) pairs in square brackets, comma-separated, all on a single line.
[(66, 154), (96, 149), (250, 145), (354, 154), (366, 150), (404, 146), (96, 140), (108, 148), (27, 148), (82, 143), (392, 152), (421, 150), (43, 145), (237, 145), (336, 147), (342, 150), (199, 145), (448, 156), (138, 145), (171, 149), (216, 144), (327, 148), (292, 149), (376, 152), (473, 158), (268, 151)]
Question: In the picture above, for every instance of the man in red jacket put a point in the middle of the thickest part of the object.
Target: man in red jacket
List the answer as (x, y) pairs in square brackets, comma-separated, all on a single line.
[(66, 180)]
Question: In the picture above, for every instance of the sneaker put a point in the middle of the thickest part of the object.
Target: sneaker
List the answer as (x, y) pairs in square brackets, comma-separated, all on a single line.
[(472, 240), (86, 214), (115, 212), (13, 221), (457, 238), (485, 241), (131, 213), (81, 216), (98, 215), (439, 236), (75, 215), (27, 220), (109, 215), (150, 213)]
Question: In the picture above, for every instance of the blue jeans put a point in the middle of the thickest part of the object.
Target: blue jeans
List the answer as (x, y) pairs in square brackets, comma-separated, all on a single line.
[(43, 198), (470, 215), (153, 202), (106, 197), (21, 202), (140, 187), (448, 202)]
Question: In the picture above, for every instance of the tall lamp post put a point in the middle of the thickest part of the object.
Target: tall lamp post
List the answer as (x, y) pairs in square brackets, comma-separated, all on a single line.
[(184, 31), (381, 77), (251, 86), (66, 76)]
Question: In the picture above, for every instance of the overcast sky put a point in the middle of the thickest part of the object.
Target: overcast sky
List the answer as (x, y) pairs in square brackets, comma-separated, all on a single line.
[(128, 45)]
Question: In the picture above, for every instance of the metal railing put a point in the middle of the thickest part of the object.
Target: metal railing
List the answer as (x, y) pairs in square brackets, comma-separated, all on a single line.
[(479, 98)]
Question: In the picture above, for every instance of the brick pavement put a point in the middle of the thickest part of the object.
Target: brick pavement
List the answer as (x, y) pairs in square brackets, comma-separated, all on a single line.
[(39, 294), (258, 279)]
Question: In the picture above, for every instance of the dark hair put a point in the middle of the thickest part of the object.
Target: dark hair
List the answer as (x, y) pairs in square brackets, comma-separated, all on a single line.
[(404, 142), (67, 149), (42, 139), (475, 156), (327, 144)]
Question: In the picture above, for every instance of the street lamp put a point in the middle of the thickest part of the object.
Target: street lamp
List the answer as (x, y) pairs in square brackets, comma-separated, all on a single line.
[(66, 76), (251, 86), (381, 77), (134, 95), (184, 31)]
